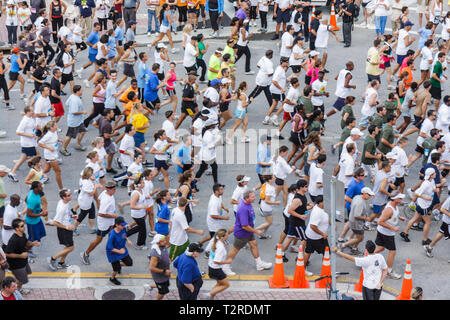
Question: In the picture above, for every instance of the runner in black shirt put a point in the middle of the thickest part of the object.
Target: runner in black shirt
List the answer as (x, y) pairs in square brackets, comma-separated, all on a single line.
[(189, 105)]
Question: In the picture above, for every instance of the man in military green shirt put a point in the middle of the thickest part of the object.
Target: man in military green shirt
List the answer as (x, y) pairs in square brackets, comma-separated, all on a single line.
[(392, 104), (351, 123), (429, 144), (387, 135), (347, 112), (378, 119), (305, 100), (370, 155)]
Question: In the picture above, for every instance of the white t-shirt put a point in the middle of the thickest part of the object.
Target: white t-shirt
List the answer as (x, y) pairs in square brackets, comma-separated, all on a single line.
[(107, 206), (322, 36), (8, 217), (127, 144), (282, 4), (96, 169), (189, 58), (445, 206), (63, 214), (213, 95), (178, 234), (290, 198), (84, 199), (280, 77), (140, 213), (101, 13), (65, 32), (135, 170), (398, 168), (344, 148), (282, 168), (28, 126), (66, 58), (315, 177), (219, 255), (208, 148), (50, 139), (292, 95), (160, 146), (237, 195), (445, 28), (100, 54), (373, 266), (443, 118), (263, 5), (320, 219), (402, 49), (286, 40), (347, 167), (197, 136), (265, 66), (366, 109), (425, 189), (380, 10), (148, 190), (341, 90), (42, 105), (214, 209), (270, 192), (319, 87), (79, 30), (296, 50), (427, 55), (427, 126)]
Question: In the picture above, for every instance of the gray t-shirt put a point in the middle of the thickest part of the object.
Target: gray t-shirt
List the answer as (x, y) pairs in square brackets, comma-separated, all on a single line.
[(130, 3), (358, 209), (163, 263)]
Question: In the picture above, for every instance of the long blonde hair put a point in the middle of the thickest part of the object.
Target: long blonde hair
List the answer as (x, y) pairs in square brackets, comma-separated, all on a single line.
[(219, 234)]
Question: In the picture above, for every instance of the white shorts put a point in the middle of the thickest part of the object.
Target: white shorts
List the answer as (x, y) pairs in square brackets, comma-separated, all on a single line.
[(163, 29), (370, 169)]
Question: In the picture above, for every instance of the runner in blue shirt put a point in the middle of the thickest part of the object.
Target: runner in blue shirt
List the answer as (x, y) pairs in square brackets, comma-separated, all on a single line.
[(91, 41), (116, 250)]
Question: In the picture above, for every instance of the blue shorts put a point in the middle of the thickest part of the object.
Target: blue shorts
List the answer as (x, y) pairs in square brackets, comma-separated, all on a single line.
[(161, 164), (424, 212), (92, 56), (240, 114), (36, 231), (29, 151), (435, 200), (284, 17), (339, 104), (139, 139), (377, 209), (400, 58)]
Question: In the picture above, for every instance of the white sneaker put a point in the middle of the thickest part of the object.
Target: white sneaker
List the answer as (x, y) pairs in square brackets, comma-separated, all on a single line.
[(2, 133), (410, 193), (274, 121), (263, 266), (206, 296), (174, 50), (29, 81), (394, 275), (160, 178), (250, 72), (308, 273), (86, 83), (149, 34), (266, 122), (227, 270), (245, 139), (80, 73)]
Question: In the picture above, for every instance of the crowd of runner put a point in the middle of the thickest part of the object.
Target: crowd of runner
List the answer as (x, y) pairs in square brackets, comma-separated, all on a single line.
[(131, 83)]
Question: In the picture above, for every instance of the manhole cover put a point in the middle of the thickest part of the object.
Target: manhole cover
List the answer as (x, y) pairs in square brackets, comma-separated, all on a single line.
[(118, 294)]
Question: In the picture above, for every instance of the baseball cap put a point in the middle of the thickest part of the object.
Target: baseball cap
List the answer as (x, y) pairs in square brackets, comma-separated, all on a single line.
[(15, 50), (225, 81), (244, 179), (356, 131), (131, 22), (391, 155), (408, 23), (195, 247), (298, 38), (396, 195), (4, 168), (161, 45), (314, 53), (218, 51), (428, 173), (215, 82), (368, 191), (157, 238), (209, 122), (120, 220), (264, 138), (205, 112)]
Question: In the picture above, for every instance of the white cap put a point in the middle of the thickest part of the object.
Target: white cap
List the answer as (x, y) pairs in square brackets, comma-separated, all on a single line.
[(225, 81), (314, 53), (398, 196), (356, 131), (368, 191), (428, 173), (392, 155), (4, 168), (161, 45), (244, 179)]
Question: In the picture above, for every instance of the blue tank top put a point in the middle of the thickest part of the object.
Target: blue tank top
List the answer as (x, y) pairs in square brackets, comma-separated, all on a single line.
[(14, 64), (165, 21)]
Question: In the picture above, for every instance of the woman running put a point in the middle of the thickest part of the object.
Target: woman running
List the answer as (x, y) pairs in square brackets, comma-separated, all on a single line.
[(149, 192), (164, 29), (138, 206), (241, 113), (159, 149), (169, 80), (129, 59), (49, 142), (267, 195), (98, 99)]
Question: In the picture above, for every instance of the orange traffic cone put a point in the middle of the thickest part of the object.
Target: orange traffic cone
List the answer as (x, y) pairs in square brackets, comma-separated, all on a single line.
[(312, 17), (299, 281), (333, 19), (326, 270), (278, 280), (359, 285), (407, 285)]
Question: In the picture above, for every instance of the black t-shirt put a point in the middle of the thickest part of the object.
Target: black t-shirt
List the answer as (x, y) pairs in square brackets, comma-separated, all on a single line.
[(55, 85), (104, 126), (315, 25), (188, 92), (17, 245), (306, 9), (40, 73), (300, 210), (351, 9)]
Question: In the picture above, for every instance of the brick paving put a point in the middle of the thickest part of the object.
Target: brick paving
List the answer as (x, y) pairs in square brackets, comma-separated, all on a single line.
[(88, 294)]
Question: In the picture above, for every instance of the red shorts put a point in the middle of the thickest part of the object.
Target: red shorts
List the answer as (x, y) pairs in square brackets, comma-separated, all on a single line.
[(59, 110), (286, 115)]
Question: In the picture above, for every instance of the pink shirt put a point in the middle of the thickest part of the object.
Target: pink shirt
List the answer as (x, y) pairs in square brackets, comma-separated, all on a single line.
[(313, 73)]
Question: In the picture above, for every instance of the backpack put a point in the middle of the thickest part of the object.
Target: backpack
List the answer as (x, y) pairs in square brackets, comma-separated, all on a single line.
[(262, 192), (356, 12), (59, 60)]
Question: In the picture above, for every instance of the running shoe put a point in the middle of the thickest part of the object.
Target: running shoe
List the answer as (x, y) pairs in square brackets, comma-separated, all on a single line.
[(84, 258), (394, 275), (428, 251), (13, 177), (52, 264), (262, 265), (308, 273), (115, 281), (405, 236), (63, 265)]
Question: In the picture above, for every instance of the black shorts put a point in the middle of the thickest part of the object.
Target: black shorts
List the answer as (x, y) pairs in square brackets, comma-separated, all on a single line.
[(90, 213), (211, 234), (297, 231), (191, 68), (116, 264), (171, 93), (73, 132), (216, 274), (2, 211), (296, 138), (398, 181), (189, 109), (66, 78), (286, 225), (371, 77), (385, 241), (419, 149), (316, 245), (13, 76), (161, 164), (417, 122), (279, 182), (436, 93), (224, 107), (278, 97), (163, 287), (29, 151), (65, 237), (152, 104), (296, 69), (160, 76), (102, 234), (283, 16), (444, 229)]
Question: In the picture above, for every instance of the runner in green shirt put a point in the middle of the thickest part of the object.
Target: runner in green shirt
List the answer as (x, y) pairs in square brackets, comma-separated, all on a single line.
[(201, 51), (392, 104), (214, 64), (347, 111), (378, 119), (351, 123), (387, 136), (369, 154), (436, 80)]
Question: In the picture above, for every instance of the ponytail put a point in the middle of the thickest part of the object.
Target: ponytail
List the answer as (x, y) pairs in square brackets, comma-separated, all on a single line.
[(161, 195), (219, 234)]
